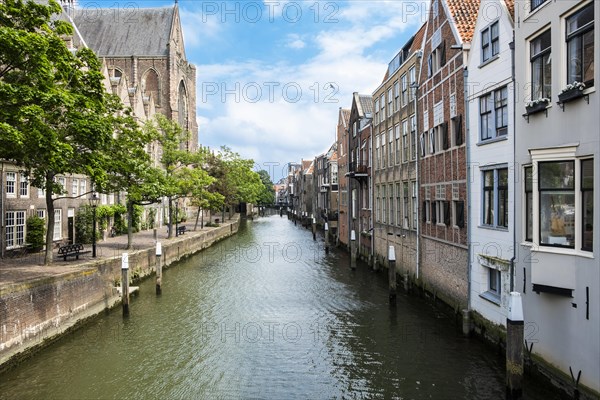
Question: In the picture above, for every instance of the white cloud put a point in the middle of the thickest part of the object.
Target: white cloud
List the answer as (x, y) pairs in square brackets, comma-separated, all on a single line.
[(278, 130)]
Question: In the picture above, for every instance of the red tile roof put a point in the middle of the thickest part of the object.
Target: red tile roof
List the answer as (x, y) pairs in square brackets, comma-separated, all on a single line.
[(510, 4), (464, 14)]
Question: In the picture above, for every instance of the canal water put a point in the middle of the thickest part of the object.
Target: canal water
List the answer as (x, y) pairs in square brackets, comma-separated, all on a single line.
[(266, 314)]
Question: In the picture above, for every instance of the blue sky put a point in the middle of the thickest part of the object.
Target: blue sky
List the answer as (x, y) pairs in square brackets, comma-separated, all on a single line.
[(271, 75)]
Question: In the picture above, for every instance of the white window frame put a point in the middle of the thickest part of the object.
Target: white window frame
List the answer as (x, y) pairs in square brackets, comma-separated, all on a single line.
[(11, 184), (15, 229), (57, 229), (567, 153)]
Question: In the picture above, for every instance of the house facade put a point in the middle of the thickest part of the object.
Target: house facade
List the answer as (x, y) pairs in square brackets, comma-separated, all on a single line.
[(558, 156), (395, 183), (443, 162), (343, 234), (359, 173), (491, 135)]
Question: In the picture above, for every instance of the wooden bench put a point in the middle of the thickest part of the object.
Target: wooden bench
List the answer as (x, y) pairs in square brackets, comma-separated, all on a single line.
[(71, 250), (181, 230)]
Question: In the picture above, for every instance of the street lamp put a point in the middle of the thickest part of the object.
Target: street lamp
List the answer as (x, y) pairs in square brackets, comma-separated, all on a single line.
[(94, 201)]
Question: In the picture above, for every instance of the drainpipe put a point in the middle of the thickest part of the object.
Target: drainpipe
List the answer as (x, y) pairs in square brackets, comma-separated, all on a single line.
[(418, 179), (468, 159), (511, 45), (371, 200)]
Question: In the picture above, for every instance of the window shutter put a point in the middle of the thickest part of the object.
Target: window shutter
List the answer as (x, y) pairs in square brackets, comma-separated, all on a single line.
[(429, 66), (447, 213), (458, 127), (445, 135), (460, 214), (443, 54), (433, 213), (422, 144), (423, 213)]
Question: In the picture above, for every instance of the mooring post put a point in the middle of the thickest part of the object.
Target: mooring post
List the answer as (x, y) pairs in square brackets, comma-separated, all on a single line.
[(514, 347), (295, 218), (125, 283), (326, 238), (158, 268), (352, 249), (314, 228), (392, 272)]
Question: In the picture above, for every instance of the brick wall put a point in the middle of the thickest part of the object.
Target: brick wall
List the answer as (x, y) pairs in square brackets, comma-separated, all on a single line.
[(33, 312)]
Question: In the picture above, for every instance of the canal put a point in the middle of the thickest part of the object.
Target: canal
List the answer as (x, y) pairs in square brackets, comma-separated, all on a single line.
[(266, 314)]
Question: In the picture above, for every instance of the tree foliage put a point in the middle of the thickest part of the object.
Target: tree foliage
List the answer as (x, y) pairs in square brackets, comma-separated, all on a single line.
[(55, 116)]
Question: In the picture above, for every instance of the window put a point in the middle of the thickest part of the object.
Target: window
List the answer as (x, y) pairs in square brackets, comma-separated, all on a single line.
[(541, 66), (391, 148), (414, 204), (501, 111), (57, 224), (580, 46), (493, 117), (390, 102), (24, 186), (354, 129), (391, 194), (459, 213), (75, 187), (557, 203), (432, 141), (485, 117), (413, 137), (398, 205), (494, 282), (405, 206), (490, 42), (377, 205), (41, 213), (383, 205), (11, 182), (354, 204), (383, 150), (15, 228), (412, 79), (397, 134), (377, 152), (536, 3), (82, 186), (436, 59), (495, 197), (528, 204), (397, 94), (404, 80), (376, 111), (382, 102), (587, 200), (405, 140)]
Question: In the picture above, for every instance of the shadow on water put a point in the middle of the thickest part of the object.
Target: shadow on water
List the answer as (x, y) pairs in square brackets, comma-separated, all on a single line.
[(266, 314)]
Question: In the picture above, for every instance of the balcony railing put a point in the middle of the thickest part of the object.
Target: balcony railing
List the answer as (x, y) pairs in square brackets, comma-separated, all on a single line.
[(357, 168)]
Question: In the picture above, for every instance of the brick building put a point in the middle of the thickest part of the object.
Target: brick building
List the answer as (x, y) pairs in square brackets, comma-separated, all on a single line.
[(342, 152), (443, 163), (359, 172), (395, 157)]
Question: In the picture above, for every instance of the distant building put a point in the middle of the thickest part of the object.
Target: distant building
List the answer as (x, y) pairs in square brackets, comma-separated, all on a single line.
[(395, 158), (359, 173), (342, 153)]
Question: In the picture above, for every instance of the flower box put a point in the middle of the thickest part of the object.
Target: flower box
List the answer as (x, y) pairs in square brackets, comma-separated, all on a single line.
[(570, 95), (536, 107)]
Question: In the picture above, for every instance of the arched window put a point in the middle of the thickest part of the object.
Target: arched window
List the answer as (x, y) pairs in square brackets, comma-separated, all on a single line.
[(183, 107), (151, 85), (116, 72)]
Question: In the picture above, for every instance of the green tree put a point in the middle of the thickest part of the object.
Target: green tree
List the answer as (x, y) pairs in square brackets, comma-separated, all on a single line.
[(267, 194), (55, 116)]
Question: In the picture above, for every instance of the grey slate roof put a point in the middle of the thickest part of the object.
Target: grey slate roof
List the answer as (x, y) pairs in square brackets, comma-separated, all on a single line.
[(366, 102), (125, 32)]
